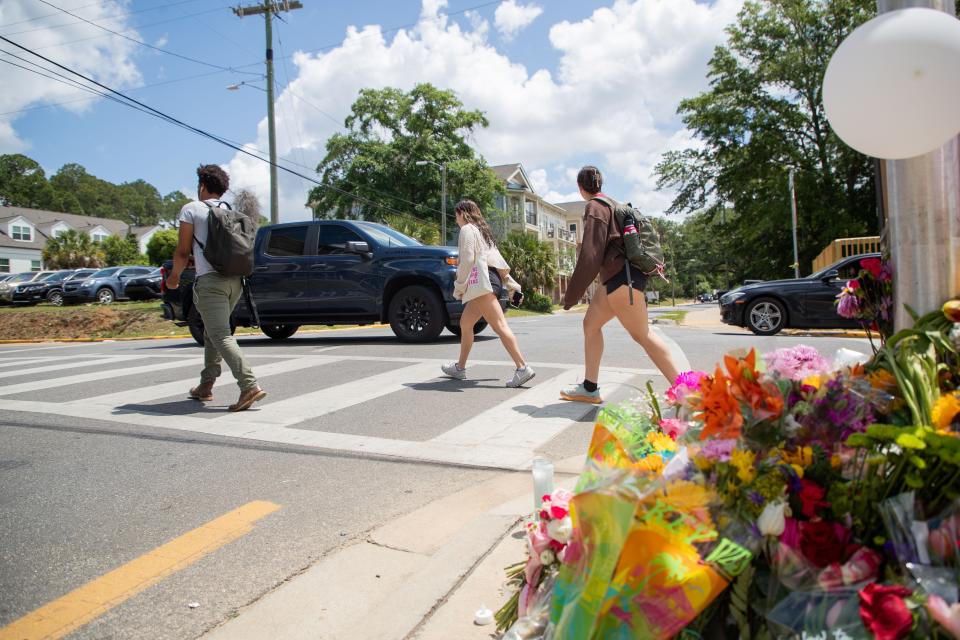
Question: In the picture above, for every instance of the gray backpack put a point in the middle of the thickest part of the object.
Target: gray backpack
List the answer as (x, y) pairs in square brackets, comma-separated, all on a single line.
[(230, 237)]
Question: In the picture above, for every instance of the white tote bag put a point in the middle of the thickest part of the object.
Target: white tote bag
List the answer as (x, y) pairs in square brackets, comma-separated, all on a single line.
[(479, 281)]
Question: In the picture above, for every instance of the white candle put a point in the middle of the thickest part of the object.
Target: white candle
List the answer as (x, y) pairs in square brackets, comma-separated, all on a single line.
[(542, 481)]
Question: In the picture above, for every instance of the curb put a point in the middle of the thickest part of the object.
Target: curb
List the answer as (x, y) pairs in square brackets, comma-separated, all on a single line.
[(173, 337)]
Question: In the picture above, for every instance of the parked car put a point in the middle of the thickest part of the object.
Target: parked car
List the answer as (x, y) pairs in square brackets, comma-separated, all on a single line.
[(52, 290), (5, 276), (804, 303), (339, 272), (21, 287), (103, 286), (145, 287), (705, 297)]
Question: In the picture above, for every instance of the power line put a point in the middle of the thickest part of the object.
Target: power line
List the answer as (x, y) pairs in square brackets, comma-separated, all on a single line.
[(85, 6), (144, 44), (140, 106)]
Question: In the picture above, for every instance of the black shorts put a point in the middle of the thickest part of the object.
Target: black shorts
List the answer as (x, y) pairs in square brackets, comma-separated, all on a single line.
[(619, 280)]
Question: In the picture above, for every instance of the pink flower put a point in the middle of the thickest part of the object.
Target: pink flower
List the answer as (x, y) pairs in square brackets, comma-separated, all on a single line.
[(560, 503), (673, 427), (947, 617), (686, 383), (797, 363), (848, 305)]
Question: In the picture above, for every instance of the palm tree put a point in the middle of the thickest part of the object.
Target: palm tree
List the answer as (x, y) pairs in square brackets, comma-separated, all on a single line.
[(532, 262), (72, 250)]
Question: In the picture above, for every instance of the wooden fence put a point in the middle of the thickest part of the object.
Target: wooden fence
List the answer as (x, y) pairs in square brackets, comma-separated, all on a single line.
[(843, 247)]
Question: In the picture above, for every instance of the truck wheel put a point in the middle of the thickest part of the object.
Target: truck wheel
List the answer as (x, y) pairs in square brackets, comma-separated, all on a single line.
[(279, 331), (477, 328), (195, 325), (415, 314), (106, 295)]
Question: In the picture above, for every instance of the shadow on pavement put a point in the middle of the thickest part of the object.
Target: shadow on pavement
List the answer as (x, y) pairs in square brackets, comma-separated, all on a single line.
[(451, 385)]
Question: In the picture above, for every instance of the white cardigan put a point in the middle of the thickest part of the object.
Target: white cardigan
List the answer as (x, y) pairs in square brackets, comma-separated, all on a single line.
[(472, 246)]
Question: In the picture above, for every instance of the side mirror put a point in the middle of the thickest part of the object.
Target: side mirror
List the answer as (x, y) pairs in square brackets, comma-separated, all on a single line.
[(833, 274), (357, 246)]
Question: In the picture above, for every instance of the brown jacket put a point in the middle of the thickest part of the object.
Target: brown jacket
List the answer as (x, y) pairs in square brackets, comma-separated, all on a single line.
[(601, 251)]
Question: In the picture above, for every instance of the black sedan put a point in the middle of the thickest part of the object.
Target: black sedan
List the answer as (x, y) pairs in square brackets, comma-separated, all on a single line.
[(145, 287), (802, 303)]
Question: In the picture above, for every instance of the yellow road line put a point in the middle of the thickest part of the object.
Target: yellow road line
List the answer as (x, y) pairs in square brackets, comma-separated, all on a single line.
[(70, 612)]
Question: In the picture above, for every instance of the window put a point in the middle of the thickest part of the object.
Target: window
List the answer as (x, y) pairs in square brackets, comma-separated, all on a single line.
[(59, 232), (138, 271), (573, 228), (21, 232), (287, 241), (531, 212), (35, 265), (388, 237), (99, 236), (334, 239), (4, 265)]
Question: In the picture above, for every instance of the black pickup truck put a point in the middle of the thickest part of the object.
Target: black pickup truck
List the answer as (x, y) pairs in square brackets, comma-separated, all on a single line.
[(338, 272)]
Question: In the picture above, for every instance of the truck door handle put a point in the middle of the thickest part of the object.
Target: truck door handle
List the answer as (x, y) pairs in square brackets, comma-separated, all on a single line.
[(319, 266), (261, 269)]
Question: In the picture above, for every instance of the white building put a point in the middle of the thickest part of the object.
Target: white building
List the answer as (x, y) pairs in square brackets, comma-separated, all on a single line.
[(24, 234)]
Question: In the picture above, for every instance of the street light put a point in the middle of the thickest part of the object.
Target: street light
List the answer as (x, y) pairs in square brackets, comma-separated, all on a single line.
[(793, 218), (443, 196), (271, 134)]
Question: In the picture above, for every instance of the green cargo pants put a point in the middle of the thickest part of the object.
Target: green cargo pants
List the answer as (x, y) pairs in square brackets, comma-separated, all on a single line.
[(215, 296)]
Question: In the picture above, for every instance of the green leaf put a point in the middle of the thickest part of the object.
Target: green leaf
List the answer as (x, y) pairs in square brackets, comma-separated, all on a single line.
[(910, 441)]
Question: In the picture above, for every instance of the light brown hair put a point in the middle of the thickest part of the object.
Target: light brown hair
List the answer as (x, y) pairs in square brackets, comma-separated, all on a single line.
[(471, 213)]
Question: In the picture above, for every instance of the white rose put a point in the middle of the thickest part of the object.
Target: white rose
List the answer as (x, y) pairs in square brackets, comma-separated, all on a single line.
[(772, 521), (547, 557), (560, 530)]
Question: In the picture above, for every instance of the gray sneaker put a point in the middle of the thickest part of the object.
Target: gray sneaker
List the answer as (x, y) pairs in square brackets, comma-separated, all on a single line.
[(454, 371), (521, 376)]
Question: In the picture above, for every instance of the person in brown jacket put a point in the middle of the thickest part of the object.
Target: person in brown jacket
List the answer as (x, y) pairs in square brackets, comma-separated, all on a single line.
[(602, 252)]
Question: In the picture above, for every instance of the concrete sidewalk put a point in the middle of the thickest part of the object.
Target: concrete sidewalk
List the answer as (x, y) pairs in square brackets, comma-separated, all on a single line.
[(420, 576)]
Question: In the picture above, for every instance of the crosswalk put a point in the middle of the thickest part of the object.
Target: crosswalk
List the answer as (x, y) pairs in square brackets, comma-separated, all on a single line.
[(313, 401)]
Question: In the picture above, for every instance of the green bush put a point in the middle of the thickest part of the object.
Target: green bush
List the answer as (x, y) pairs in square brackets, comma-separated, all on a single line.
[(537, 302)]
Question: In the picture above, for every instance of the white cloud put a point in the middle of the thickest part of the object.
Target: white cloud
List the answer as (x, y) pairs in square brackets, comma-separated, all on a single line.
[(108, 60), (621, 73), (511, 18)]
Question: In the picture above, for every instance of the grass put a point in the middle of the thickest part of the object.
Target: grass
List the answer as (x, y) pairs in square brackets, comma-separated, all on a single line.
[(676, 316)]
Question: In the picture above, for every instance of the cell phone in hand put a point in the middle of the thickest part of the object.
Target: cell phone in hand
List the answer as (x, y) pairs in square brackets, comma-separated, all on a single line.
[(516, 300)]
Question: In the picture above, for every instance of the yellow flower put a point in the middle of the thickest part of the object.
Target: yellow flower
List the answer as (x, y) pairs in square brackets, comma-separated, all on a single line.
[(814, 381), (883, 380), (661, 441), (945, 411), (801, 456), (743, 461), (704, 464), (686, 496), (653, 464)]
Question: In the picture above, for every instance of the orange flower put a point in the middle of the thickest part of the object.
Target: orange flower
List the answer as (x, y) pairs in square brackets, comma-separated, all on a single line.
[(764, 399), (719, 410)]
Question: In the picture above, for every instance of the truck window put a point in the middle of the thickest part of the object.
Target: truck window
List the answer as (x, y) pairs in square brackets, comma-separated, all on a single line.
[(287, 241), (334, 238)]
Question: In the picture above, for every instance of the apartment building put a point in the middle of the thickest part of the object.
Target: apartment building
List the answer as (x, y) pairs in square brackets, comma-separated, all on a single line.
[(528, 213)]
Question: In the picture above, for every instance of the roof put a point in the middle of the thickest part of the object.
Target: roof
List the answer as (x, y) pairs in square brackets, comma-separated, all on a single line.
[(513, 175), (575, 207), (45, 220)]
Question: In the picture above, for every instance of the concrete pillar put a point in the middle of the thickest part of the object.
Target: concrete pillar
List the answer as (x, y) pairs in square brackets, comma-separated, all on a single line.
[(922, 200)]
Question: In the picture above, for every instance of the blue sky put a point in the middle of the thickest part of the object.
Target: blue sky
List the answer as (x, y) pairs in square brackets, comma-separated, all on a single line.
[(564, 82)]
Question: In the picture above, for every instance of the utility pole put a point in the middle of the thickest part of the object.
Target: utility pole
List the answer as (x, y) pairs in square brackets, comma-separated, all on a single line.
[(268, 8)]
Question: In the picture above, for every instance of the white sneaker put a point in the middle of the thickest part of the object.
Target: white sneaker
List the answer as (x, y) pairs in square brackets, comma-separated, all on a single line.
[(454, 371), (521, 376)]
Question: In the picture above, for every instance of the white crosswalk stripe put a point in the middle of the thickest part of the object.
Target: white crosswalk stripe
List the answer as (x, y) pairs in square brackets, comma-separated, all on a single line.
[(507, 435)]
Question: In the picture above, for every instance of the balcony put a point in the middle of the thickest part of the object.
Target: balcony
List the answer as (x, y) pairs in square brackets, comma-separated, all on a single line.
[(844, 247)]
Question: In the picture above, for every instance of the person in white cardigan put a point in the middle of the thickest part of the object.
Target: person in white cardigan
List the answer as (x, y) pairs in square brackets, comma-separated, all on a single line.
[(481, 275)]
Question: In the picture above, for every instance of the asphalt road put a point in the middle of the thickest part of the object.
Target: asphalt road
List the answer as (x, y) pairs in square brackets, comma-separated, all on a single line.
[(103, 460)]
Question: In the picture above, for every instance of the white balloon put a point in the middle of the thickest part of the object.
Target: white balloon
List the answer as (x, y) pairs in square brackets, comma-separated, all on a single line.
[(892, 88)]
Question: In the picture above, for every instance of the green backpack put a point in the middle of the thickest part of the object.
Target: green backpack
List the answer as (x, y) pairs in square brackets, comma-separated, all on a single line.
[(641, 241)]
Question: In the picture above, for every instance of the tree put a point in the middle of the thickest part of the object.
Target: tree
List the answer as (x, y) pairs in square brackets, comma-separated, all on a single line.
[(246, 201), (72, 250), (533, 263), (763, 113), (23, 183), (161, 245), (140, 203), (426, 232), (119, 250), (171, 205), (370, 171)]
